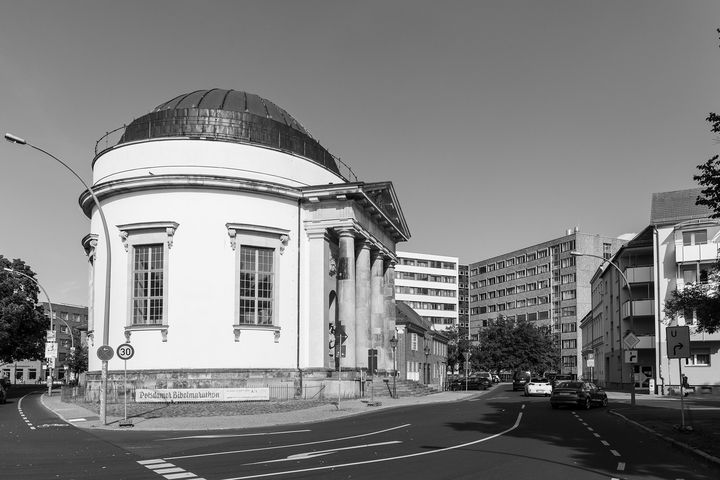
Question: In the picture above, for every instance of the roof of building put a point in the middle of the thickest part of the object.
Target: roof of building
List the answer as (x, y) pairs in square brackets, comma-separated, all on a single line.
[(677, 206)]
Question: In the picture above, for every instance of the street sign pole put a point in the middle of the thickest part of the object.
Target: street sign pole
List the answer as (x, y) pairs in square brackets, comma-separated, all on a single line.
[(682, 397), (678, 346), (125, 352)]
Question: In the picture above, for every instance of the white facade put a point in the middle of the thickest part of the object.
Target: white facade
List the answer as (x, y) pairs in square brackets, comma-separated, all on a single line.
[(233, 259), (429, 285)]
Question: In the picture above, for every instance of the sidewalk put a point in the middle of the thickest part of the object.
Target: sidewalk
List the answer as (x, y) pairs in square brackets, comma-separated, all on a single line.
[(85, 418)]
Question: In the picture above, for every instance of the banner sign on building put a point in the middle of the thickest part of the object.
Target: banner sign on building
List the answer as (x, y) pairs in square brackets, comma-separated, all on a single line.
[(168, 395)]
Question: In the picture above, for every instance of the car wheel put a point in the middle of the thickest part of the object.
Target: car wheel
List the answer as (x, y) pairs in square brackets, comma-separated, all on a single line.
[(586, 405), (604, 402)]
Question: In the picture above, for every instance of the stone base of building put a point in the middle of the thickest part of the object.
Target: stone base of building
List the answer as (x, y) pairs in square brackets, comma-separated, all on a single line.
[(284, 384)]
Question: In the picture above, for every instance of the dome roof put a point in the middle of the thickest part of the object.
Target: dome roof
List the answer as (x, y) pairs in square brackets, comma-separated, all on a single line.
[(231, 116), (234, 101)]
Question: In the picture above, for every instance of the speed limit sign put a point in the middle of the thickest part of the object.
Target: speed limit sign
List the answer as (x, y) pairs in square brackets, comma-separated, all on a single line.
[(125, 351)]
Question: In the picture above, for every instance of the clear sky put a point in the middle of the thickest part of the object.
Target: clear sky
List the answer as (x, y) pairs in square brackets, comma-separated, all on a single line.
[(500, 123)]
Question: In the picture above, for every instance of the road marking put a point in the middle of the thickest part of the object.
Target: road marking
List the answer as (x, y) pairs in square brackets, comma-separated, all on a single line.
[(591, 429), (46, 425), (22, 414), (167, 470), (615, 452), (320, 453), (291, 445), (597, 435), (621, 466), (604, 442), (388, 459), (206, 437)]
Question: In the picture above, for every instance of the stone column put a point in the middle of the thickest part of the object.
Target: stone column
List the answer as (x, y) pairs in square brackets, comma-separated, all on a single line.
[(346, 293), (362, 304), (377, 313), (387, 327)]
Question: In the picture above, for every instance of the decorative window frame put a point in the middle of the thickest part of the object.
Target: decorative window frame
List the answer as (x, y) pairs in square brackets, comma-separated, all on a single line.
[(147, 233), (260, 236)]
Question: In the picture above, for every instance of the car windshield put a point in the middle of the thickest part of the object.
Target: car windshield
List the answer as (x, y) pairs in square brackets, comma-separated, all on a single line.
[(575, 385), (538, 380)]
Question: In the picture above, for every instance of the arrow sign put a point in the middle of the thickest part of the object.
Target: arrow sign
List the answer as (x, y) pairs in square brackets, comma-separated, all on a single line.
[(678, 342), (631, 356)]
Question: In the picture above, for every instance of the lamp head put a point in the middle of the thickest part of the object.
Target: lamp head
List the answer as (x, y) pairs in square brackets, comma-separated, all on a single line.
[(15, 139), (576, 254)]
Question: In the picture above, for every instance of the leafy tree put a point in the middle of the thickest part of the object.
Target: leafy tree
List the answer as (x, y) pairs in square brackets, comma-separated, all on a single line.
[(457, 346), (509, 345), (22, 321), (78, 360), (702, 299)]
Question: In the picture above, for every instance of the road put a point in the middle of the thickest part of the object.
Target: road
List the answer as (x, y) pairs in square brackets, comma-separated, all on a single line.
[(496, 435)]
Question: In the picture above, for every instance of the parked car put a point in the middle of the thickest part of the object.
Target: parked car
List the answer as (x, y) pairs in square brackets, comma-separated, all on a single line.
[(487, 375), (560, 378), (473, 382), (495, 378), (578, 394), (538, 386), (520, 378)]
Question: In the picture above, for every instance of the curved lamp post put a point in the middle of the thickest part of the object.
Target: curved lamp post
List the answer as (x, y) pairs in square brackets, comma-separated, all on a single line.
[(15, 272), (393, 345), (106, 321), (632, 320)]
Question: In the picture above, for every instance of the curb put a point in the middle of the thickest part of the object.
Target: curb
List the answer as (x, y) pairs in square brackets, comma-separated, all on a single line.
[(705, 456)]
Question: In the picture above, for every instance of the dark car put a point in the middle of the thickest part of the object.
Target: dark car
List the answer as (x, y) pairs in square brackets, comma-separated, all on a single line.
[(474, 382), (578, 394), (520, 379)]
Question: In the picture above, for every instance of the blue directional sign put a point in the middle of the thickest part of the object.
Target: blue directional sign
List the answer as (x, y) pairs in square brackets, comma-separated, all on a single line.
[(678, 342)]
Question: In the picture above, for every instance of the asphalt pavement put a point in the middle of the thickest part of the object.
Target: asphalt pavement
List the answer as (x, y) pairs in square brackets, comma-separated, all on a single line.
[(661, 415)]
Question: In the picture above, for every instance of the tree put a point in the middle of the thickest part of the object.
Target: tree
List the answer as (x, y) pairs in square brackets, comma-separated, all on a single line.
[(457, 346), (78, 360), (509, 345), (700, 299), (23, 323)]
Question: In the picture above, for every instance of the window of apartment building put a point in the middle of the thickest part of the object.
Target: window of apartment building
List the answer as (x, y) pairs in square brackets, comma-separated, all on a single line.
[(531, 256), (532, 317), (531, 271), (501, 292), (568, 278), (694, 237), (543, 299), (482, 269), (568, 294), (492, 294), (520, 259), (569, 343), (569, 361), (520, 303), (543, 268), (492, 309), (407, 261), (510, 276), (484, 323), (568, 311), (543, 315), (414, 342), (473, 285), (473, 298), (491, 267), (501, 307), (543, 283), (483, 296), (491, 281), (501, 278), (500, 264), (481, 310), (531, 301), (509, 262), (520, 288), (482, 283), (531, 286), (568, 327), (520, 273), (567, 262), (474, 310), (607, 251), (521, 317), (421, 263), (699, 358), (510, 290), (510, 305), (542, 253), (473, 272)]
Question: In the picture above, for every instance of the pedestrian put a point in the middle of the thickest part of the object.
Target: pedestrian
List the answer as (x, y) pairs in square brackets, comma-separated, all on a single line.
[(685, 384)]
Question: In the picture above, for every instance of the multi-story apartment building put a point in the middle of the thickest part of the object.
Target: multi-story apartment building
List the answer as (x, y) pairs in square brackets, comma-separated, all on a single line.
[(70, 326), (429, 285), (679, 247), (544, 284), (464, 294)]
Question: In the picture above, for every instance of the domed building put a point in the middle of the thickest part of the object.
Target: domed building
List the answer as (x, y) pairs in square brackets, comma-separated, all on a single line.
[(241, 249)]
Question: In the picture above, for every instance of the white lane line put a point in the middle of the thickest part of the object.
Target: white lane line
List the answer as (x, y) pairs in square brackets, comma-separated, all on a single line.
[(388, 459), (591, 429), (597, 435), (615, 452), (22, 414), (167, 470), (621, 466), (320, 453), (291, 445), (206, 437), (604, 442)]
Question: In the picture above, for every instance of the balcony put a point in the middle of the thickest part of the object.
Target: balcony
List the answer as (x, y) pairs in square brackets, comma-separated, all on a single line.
[(695, 253), (640, 274), (640, 308)]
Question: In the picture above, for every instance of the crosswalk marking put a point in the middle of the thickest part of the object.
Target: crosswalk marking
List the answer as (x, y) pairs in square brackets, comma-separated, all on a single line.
[(167, 470)]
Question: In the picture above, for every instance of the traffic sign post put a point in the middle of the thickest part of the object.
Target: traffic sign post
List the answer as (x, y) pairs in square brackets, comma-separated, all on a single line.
[(678, 346), (631, 356), (125, 352)]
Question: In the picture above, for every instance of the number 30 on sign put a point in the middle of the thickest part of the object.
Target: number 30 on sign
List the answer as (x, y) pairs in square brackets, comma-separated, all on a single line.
[(125, 351)]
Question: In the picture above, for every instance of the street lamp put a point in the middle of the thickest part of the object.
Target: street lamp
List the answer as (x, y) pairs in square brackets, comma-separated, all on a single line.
[(12, 271), (106, 320), (427, 365), (467, 367), (632, 320), (393, 345)]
